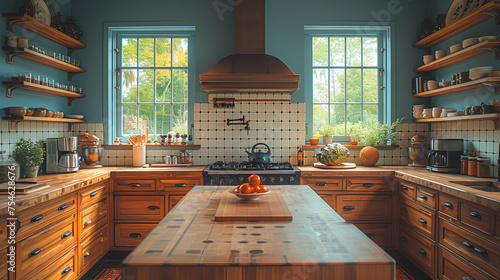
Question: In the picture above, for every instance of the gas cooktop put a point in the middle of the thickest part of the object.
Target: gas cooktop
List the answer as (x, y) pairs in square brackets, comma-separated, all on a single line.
[(233, 165)]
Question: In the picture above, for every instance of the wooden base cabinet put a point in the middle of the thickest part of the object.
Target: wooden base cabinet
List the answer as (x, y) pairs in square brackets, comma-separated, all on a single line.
[(130, 235), (451, 267), (418, 249), (378, 232)]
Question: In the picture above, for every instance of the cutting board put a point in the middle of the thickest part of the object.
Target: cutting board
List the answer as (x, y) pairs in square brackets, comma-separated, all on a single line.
[(23, 188), (271, 207), (345, 165)]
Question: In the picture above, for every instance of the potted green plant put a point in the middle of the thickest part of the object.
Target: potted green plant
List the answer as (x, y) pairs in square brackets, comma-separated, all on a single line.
[(327, 131), (30, 155)]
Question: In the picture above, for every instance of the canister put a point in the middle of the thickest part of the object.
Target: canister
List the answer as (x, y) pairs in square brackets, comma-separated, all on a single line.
[(12, 41), (22, 42), (472, 166), (483, 167), (168, 160), (464, 164)]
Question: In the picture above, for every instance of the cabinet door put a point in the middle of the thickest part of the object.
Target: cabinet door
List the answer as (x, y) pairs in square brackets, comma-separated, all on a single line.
[(94, 193), (419, 218), (451, 268), (173, 199), (94, 248), (364, 207), (3, 263), (139, 208), (448, 206), (418, 249), (328, 197), (379, 233), (477, 218), (93, 218), (63, 268)]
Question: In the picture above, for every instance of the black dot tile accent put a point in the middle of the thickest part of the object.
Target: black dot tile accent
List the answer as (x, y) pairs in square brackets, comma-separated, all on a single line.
[(256, 252), (173, 226), (193, 251), (154, 251), (208, 241), (279, 226), (235, 251), (241, 227), (243, 242), (258, 227), (287, 241), (261, 242), (256, 234)]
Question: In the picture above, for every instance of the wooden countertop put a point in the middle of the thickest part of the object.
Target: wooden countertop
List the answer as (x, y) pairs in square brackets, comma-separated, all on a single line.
[(189, 236)]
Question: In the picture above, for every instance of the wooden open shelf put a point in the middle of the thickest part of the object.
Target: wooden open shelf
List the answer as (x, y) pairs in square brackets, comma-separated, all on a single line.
[(489, 81), (12, 85), (493, 117), (42, 29), (15, 120), (467, 53), (488, 10), (42, 59)]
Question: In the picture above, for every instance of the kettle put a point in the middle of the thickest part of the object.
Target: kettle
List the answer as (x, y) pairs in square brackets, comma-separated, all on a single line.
[(259, 157)]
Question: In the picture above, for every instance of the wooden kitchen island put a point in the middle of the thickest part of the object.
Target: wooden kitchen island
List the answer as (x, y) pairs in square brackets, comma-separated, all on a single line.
[(318, 244)]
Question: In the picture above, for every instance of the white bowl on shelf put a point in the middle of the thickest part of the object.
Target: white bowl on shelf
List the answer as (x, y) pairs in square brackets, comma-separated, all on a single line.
[(78, 117)]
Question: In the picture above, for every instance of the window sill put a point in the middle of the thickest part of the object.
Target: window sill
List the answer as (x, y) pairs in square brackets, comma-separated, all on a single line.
[(153, 147), (353, 147)]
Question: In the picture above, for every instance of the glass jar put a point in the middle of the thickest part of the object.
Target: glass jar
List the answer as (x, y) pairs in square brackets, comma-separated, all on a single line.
[(464, 164), (483, 167), (472, 166), (6, 167)]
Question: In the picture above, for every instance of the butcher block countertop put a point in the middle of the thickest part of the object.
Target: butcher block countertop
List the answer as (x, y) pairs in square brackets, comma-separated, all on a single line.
[(318, 244)]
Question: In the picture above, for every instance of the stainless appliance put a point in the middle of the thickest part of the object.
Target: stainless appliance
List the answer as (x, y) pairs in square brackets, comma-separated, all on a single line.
[(417, 151), (61, 155), (445, 155), (89, 150), (234, 173)]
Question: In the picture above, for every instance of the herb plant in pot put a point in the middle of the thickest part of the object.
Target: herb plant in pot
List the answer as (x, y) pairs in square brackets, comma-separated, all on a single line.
[(327, 131), (30, 155)]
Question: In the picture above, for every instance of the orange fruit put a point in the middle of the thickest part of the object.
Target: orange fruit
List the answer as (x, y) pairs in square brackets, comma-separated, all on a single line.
[(369, 156), (246, 189), (237, 190), (262, 189), (254, 180), (94, 157), (257, 189)]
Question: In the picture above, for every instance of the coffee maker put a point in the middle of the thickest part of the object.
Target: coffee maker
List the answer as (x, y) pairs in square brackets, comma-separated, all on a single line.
[(61, 155), (445, 155)]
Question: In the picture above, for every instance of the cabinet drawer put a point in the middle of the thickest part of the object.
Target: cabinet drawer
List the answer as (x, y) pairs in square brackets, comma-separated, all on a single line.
[(179, 184), (328, 197), (139, 208), (3, 263), (477, 218), (364, 207), (134, 185), (379, 233), (426, 197), (407, 189), (94, 248), (41, 216), (420, 219), (130, 235), (3, 232), (497, 226), (173, 199), (451, 268), (44, 245), (474, 249), (448, 206), (324, 184), (93, 217), (94, 193), (418, 249), (368, 184), (64, 268)]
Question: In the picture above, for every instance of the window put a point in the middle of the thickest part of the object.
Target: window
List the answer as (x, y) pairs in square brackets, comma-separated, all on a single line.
[(347, 77), (152, 74)]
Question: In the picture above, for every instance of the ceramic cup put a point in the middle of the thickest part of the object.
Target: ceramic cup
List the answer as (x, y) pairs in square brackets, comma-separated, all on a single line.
[(436, 112), (417, 111), (427, 113), (12, 41), (440, 54)]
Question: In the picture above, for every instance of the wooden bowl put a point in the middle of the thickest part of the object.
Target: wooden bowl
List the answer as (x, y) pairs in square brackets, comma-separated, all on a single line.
[(314, 141), (456, 48), (251, 196), (484, 38), (469, 42), (61, 114), (479, 72), (40, 113), (440, 54), (49, 114), (428, 58), (30, 111), (17, 111)]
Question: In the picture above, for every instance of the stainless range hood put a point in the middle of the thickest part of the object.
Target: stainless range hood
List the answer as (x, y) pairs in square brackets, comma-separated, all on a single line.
[(250, 69)]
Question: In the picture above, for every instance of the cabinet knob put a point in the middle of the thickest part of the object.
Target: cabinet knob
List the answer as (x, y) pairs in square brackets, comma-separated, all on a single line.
[(468, 244), (321, 184), (66, 270), (135, 235), (422, 251), (66, 234), (368, 185), (348, 207), (475, 215), (93, 194), (180, 185), (404, 188), (36, 218), (135, 185), (87, 222), (447, 204), (34, 252), (480, 250), (62, 207), (153, 207), (86, 254), (422, 196), (422, 220)]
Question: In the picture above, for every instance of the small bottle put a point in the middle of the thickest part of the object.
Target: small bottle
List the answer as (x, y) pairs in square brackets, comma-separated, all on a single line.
[(184, 139), (169, 140), (300, 156), (177, 139), (117, 142)]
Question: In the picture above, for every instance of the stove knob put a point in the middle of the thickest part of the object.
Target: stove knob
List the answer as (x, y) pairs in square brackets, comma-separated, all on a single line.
[(221, 182), (241, 180), (231, 181), (272, 179), (212, 182), (292, 179), (281, 179)]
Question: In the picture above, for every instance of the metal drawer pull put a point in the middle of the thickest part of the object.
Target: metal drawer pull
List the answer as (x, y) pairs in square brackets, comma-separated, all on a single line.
[(87, 222), (368, 185), (180, 185), (404, 239), (34, 252), (135, 235), (468, 244), (348, 207), (447, 204), (467, 278), (66, 270), (62, 207), (475, 215), (93, 194), (422, 220), (321, 184), (370, 234), (87, 253), (153, 207), (36, 218), (480, 250), (135, 185), (66, 234), (404, 188), (422, 196), (422, 251)]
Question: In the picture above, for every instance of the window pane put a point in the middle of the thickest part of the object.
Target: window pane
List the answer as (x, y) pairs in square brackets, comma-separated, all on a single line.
[(180, 77), (337, 85), (353, 85), (370, 51), (320, 85), (146, 52), (129, 112), (353, 51), (163, 86), (162, 118), (337, 118), (337, 51), (370, 112), (180, 55), (129, 52), (163, 52), (320, 116), (146, 85), (370, 85), (320, 51), (180, 112), (353, 113), (129, 85), (146, 113)]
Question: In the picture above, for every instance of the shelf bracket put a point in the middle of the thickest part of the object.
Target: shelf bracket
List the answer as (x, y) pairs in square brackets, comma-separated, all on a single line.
[(496, 51), (70, 100), (13, 124), (10, 90), (495, 122), (495, 86), (496, 15), (10, 57), (12, 22), (70, 51)]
